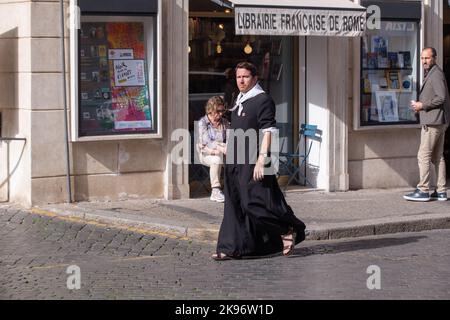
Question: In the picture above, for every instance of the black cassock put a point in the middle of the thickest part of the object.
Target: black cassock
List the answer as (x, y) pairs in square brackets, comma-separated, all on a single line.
[(256, 213)]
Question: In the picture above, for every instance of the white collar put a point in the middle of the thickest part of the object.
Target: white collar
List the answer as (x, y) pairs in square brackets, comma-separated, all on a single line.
[(242, 97)]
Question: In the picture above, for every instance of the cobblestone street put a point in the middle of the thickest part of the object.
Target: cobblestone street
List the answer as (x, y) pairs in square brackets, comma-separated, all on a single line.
[(121, 263)]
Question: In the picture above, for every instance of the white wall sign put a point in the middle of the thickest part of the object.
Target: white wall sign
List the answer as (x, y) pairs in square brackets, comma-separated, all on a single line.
[(299, 22), (129, 73), (122, 54)]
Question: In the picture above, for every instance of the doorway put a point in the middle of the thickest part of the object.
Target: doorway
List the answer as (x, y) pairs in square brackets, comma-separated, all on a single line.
[(214, 51)]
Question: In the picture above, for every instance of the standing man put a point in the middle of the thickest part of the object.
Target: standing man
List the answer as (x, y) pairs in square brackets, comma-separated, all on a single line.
[(434, 110), (257, 220)]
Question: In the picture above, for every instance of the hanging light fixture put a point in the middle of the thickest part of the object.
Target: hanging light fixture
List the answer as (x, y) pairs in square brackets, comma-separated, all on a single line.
[(248, 48)]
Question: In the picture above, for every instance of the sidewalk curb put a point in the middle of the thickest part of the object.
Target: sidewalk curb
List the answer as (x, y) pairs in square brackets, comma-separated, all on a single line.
[(379, 227), (159, 228), (314, 231)]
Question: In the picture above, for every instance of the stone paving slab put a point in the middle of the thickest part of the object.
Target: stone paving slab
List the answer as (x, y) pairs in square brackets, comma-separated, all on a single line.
[(327, 215)]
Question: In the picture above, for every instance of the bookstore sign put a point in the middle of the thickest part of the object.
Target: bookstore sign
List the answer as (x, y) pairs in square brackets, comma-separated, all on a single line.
[(299, 22)]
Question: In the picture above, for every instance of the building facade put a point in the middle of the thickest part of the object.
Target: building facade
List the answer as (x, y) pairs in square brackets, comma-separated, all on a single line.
[(313, 79)]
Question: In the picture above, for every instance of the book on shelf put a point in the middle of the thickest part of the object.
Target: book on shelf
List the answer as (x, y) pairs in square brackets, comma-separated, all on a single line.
[(393, 59), (401, 63), (374, 82), (407, 83), (393, 79), (367, 85), (380, 45), (383, 62), (372, 60), (383, 83), (366, 106), (406, 56)]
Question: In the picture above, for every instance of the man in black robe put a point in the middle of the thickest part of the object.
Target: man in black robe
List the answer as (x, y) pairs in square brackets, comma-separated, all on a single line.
[(257, 220)]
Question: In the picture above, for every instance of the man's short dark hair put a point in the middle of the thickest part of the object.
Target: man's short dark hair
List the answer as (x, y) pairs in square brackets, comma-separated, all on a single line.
[(433, 51), (248, 66)]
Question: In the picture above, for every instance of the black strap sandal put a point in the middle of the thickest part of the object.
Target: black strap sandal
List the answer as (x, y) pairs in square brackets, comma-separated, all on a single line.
[(290, 247)]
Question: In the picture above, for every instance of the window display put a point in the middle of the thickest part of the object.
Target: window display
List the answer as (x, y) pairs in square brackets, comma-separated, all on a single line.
[(116, 95), (389, 73)]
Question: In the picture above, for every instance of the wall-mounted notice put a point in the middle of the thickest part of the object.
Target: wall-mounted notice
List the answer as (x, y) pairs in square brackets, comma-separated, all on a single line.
[(129, 73)]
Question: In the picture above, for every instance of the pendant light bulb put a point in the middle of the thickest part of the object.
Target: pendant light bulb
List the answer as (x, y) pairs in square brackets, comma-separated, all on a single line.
[(248, 48)]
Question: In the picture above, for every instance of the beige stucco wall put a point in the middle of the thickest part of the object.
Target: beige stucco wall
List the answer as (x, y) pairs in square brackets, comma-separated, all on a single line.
[(387, 158), (15, 162), (32, 106)]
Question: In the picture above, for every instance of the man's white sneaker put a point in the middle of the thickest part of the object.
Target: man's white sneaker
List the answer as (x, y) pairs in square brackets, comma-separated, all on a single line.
[(217, 195)]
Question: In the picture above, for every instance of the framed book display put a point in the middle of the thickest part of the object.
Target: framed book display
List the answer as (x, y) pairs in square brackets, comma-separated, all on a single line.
[(387, 106)]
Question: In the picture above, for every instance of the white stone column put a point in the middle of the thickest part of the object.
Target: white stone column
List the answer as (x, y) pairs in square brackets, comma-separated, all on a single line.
[(175, 90), (317, 112), (338, 79)]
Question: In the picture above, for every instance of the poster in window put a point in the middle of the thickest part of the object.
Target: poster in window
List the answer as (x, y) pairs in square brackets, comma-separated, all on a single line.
[(387, 106), (114, 92), (130, 94), (128, 73)]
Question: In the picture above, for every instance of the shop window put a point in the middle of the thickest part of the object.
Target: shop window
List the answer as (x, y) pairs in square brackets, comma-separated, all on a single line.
[(390, 60), (390, 66), (117, 94)]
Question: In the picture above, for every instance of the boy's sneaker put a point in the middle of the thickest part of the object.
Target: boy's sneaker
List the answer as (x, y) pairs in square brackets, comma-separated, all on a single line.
[(440, 196), (418, 196), (217, 195)]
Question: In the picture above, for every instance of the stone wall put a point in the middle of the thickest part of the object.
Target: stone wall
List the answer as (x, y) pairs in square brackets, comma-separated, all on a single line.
[(32, 106)]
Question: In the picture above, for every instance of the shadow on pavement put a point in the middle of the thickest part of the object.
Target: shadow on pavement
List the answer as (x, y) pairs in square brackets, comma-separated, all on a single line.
[(356, 245)]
